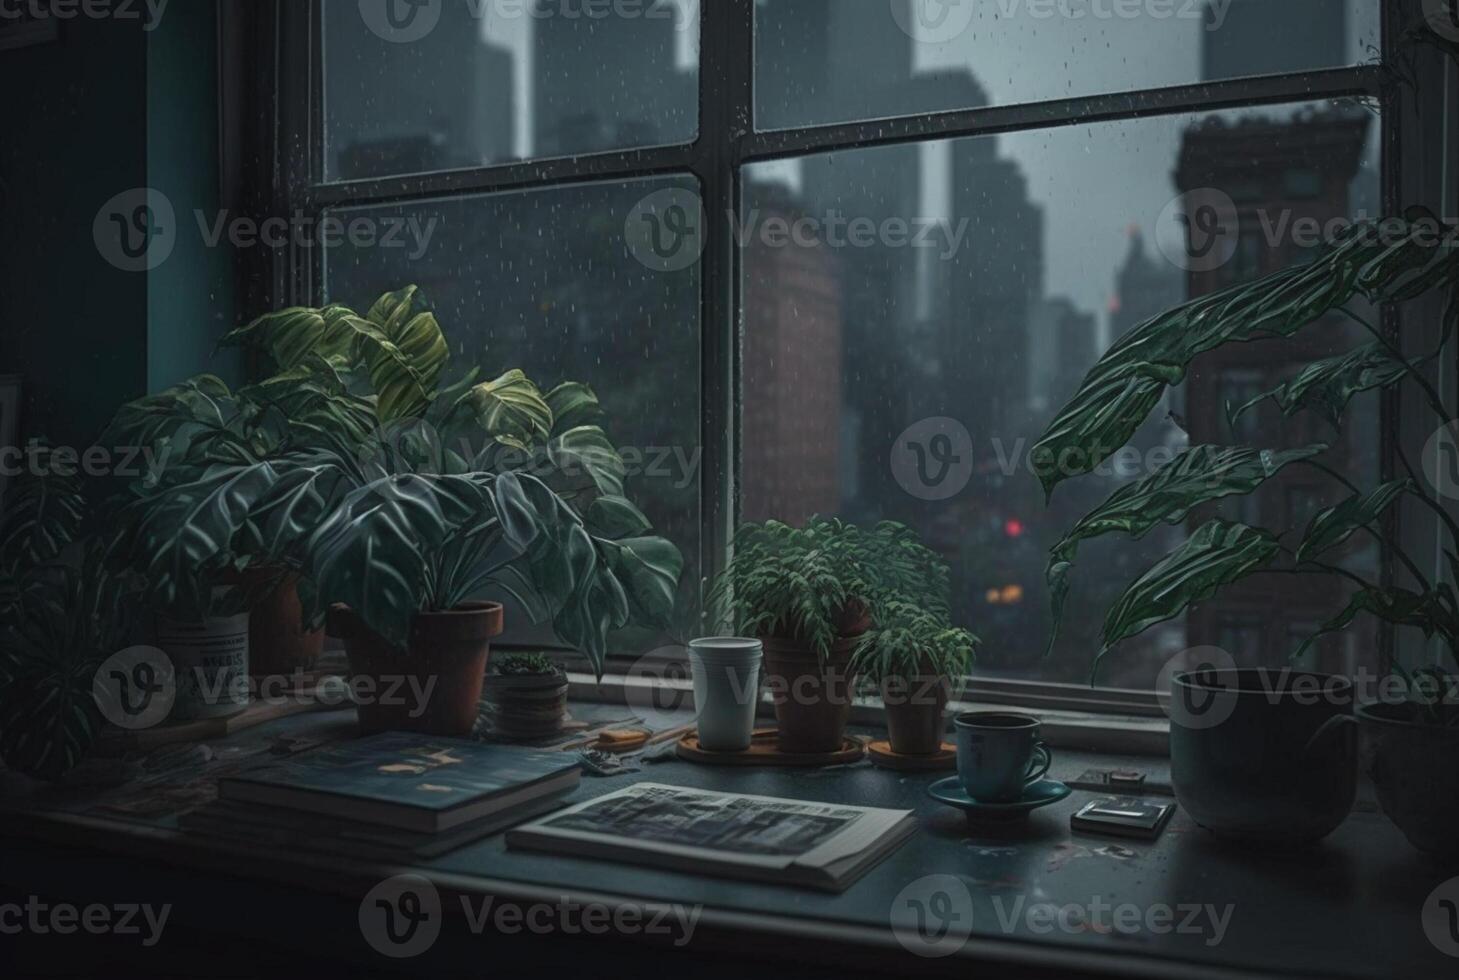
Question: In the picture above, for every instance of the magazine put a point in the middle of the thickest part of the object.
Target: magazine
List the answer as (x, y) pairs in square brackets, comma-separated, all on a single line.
[(793, 842)]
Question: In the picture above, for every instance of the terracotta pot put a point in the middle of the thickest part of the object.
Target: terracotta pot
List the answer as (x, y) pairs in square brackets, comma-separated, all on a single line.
[(432, 687), (812, 699), (526, 705), (914, 712), (277, 641), (1415, 769)]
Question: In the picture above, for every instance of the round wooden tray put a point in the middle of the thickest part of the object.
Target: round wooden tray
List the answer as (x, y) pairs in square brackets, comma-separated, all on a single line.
[(765, 751), (881, 754)]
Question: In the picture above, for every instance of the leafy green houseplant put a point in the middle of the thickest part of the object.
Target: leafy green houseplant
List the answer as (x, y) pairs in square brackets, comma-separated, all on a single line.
[(525, 696), (811, 594), (399, 500), (1393, 261), (913, 657), (58, 623)]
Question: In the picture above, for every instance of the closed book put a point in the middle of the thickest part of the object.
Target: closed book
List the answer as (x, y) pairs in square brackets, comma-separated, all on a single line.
[(294, 830), (409, 782)]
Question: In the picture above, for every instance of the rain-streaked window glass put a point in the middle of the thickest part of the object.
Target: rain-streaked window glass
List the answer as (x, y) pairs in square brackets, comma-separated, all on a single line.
[(422, 87), (567, 285), (916, 315), (827, 61)]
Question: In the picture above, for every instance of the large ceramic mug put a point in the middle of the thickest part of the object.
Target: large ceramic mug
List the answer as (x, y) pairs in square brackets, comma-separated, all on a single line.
[(999, 755), (1264, 755)]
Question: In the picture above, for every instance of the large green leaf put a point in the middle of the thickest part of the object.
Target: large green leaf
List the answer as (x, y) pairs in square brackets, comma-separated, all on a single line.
[(1327, 386), (375, 551), (1336, 524), (649, 569), (40, 514), (1401, 607), (176, 541), (1196, 476), (51, 720), (510, 410), (573, 405), (585, 462), (1217, 554), (1127, 382)]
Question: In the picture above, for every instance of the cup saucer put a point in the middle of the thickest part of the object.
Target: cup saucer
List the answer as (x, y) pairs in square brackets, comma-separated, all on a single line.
[(1041, 793)]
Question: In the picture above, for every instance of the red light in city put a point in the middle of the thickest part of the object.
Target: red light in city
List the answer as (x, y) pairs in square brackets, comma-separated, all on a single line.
[(1013, 527)]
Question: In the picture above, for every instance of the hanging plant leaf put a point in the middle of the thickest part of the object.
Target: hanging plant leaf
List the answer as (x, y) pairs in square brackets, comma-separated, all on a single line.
[(1126, 383), (1217, 554), (1401, 607), (1336, 524), (1196, 476), (1327, 386)]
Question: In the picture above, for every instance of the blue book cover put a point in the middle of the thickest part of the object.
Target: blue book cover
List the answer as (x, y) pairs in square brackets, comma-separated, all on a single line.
[(416, 782)]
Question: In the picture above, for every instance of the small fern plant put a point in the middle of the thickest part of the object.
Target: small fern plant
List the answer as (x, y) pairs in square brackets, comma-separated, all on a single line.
[(910, 642), (821, 582)]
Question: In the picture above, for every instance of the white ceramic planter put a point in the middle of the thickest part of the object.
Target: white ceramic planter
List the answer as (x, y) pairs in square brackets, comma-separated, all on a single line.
[(210, 664), (726, 672)]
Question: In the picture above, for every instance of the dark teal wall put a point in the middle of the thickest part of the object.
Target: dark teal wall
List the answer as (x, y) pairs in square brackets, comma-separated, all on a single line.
[(106, 109), (72, 325), (190, 296)]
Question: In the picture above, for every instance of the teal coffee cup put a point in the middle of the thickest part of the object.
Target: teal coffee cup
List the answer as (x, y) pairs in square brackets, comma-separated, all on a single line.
[(999, 755)]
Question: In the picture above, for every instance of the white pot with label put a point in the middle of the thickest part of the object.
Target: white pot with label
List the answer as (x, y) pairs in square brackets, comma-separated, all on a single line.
[(210, 663)]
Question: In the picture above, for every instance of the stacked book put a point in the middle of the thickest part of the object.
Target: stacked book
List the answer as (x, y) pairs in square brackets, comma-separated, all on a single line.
[(387, 797)]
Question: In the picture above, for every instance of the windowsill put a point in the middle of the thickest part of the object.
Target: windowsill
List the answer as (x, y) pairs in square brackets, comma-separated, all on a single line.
[(1086, 731)]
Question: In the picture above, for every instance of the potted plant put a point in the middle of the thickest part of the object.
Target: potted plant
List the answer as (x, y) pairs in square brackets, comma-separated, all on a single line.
[(810, 595), (401, 502), (58, 623), (526, 696), (1409, 751), (1278, 759), (913, 657)]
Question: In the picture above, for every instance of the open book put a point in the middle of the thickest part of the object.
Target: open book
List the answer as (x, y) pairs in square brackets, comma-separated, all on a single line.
[(790, 842)]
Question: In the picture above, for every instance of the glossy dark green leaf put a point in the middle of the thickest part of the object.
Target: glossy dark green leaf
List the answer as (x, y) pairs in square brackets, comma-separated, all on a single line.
[(1217, 554), (1127, 382), (1401, 607), (1196, 476), (510, 410), (573, 405), (1327, 386), (1336, 524)]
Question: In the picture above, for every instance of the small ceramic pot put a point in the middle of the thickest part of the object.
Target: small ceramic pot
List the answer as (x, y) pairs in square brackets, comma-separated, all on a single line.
[(914, 713), (812, 698)]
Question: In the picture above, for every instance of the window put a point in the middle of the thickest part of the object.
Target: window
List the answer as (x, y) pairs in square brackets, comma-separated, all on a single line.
[(885, 227)]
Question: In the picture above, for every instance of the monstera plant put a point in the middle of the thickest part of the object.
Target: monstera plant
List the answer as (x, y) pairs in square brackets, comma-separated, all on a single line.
[(1416, 761), (391, 492)]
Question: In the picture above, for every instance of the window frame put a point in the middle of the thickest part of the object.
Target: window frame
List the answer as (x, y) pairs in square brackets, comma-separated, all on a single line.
[(278, 42)]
